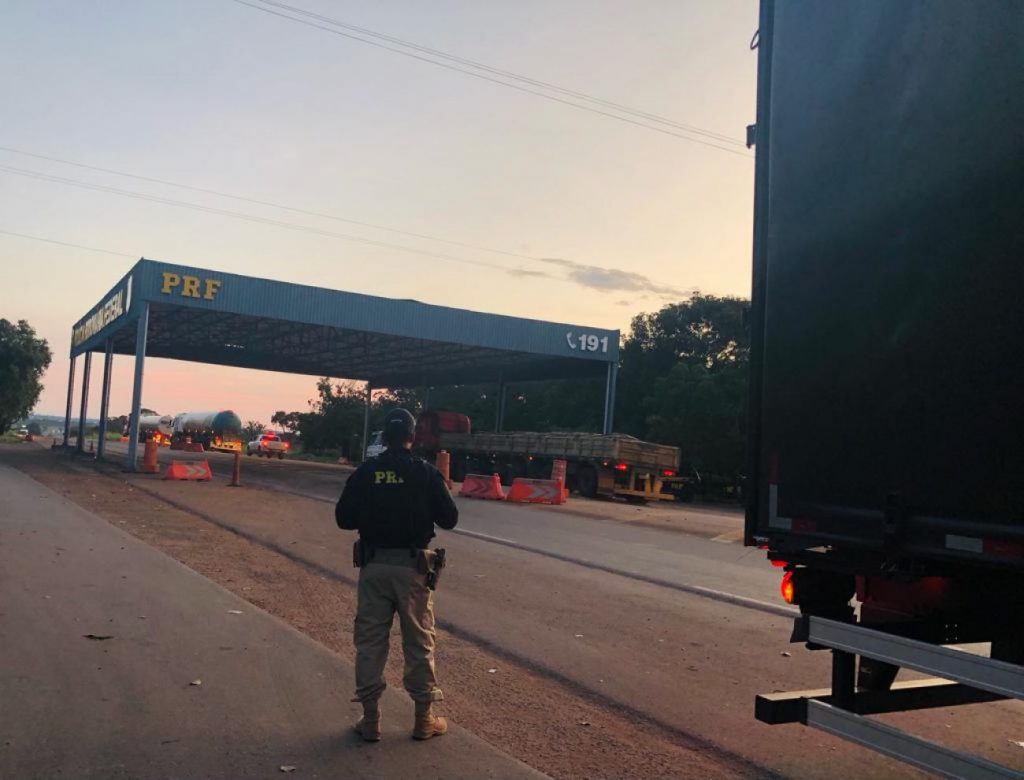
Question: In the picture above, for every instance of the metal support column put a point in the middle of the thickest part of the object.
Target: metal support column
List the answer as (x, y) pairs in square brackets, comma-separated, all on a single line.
[(499, 414), (366, 421), (71, 401), (609, 397), (108, 364), (140, 359), (83, 409), (844, 678)]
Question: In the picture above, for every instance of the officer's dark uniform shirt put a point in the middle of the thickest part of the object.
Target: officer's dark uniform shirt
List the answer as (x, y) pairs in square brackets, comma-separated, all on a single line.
[(394, 500)]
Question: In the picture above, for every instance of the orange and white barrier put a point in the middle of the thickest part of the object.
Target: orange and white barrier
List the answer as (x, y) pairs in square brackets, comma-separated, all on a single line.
[(480, 486), (198, 471), (536, 491), (558, 470)]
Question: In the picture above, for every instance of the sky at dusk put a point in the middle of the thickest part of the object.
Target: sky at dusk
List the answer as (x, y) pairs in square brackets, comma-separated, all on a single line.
[(520, 205)]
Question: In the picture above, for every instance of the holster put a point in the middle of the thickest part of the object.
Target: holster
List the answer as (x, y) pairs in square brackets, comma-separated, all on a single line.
[(360, 554), (430, 563)]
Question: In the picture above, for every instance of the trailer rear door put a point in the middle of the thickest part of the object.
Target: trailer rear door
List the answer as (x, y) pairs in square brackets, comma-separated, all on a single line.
[(888, 302)]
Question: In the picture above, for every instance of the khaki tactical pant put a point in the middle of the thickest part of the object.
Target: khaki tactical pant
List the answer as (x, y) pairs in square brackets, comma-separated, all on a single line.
[(388, 584)]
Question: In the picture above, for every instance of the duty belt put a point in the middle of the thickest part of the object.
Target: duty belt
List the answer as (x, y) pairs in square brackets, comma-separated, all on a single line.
[(394, 556)]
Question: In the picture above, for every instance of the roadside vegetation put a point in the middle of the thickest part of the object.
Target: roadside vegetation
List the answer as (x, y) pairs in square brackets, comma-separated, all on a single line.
[(23, 359)]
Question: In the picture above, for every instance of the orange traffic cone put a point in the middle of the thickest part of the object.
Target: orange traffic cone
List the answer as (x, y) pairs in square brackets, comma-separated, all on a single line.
[(444, 466), (149, 464)]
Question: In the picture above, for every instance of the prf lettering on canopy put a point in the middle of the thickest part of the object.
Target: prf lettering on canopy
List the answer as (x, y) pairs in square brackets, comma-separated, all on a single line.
[(188, 286)]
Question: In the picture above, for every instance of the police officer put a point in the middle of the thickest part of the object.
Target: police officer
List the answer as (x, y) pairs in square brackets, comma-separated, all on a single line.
[(394, 500)]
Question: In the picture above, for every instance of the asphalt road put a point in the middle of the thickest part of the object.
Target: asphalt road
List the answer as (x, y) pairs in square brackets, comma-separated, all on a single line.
[(629, 616), (118, 662), (582, 532)]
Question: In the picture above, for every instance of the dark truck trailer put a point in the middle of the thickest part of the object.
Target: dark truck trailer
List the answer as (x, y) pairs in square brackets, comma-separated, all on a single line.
[(887, 393)]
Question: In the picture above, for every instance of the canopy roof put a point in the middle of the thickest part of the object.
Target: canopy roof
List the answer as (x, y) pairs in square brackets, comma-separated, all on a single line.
[(212, 317)]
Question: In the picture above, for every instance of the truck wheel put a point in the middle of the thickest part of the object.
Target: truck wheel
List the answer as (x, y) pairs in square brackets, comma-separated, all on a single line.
[(457, 470), (280, 456), (249, 453), (586, 481)]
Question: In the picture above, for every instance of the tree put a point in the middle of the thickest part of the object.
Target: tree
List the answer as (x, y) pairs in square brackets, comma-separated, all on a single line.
[(35, 428), (683, 381), (23, 359), (289, 421), (335, 419), (253, 430)]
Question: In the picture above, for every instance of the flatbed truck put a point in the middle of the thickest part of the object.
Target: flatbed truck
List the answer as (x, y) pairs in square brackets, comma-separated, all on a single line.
[(606, 465)]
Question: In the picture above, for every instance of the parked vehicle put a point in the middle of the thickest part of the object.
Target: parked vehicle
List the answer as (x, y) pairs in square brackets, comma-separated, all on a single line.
[(155, 427), (267, 445), (376, 445), (887, 355), (214, 430), (597, 464)]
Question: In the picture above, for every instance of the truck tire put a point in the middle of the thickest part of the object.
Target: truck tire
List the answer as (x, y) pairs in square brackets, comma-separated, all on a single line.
[(248, 452), (457, 469), (586, 480), (280, 456)]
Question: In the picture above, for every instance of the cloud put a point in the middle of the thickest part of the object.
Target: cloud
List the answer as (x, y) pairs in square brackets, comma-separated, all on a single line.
[(529, 272), (614, 280)]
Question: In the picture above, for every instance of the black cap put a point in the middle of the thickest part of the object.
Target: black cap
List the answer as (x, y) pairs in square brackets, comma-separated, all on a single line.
[(399, 426)]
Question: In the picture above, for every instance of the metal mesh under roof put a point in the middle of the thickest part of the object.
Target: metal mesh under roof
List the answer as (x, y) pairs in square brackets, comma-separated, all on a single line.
[(211, 317)]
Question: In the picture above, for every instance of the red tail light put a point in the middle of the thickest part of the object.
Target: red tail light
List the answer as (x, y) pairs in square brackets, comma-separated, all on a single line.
[(668, 473), (621, 467), (286, 445), (787, 589)]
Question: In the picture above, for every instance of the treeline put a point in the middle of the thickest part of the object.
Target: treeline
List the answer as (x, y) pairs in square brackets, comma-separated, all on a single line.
[(682, 381)]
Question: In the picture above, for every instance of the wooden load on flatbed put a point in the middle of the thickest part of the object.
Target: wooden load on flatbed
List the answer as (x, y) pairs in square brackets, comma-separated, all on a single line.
[(598, 464), (615, 447)]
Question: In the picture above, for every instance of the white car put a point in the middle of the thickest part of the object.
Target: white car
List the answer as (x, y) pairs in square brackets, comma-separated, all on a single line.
[(269, 444), (376, 445)]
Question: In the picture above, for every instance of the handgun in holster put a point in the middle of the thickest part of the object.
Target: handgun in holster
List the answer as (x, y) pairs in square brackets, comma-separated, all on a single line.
[(433, 570)]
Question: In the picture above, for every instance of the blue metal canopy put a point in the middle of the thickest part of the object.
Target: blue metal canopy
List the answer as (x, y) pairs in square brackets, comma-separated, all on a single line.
[(212, 317), (185, 313)]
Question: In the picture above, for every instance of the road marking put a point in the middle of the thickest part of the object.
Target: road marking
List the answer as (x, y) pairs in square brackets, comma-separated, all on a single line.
[(697, 590), (729, 537)]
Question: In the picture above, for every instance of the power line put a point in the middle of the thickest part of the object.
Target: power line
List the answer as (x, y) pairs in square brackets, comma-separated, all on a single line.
[(271, 204), (508, 74), (66, 243), (516, 271), (248, 217), (483, 77)]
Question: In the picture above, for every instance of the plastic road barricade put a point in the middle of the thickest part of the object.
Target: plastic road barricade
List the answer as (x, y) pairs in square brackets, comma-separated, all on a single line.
[(480, 486)]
